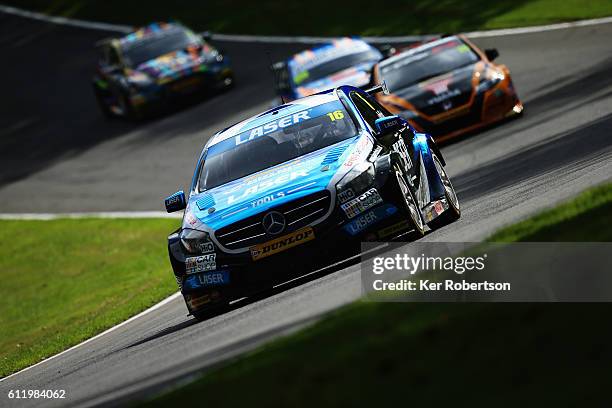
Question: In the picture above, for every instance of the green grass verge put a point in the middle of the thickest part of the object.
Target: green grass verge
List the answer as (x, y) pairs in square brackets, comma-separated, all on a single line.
[(319, 17), (386, 354), (66, 280), (584, 219)]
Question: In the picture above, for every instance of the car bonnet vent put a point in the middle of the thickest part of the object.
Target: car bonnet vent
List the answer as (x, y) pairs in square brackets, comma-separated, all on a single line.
[(334, 154), (205, 202)]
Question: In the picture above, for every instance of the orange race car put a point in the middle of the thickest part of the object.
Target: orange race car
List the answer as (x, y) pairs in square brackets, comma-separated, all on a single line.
[(447, 87)]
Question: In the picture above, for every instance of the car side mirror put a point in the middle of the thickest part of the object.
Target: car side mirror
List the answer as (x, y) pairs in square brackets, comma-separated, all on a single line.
[(387, 129), (280, 73), (175, 202), (491, 53), (387, 50)]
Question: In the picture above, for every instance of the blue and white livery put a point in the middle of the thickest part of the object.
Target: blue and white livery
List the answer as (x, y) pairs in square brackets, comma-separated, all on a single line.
[(304, 179)]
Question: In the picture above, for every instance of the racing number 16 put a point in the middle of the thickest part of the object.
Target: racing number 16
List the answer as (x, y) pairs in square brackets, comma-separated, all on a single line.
[(336, 115)]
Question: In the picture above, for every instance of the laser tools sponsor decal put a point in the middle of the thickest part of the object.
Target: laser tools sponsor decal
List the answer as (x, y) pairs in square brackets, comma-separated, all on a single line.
[(214, 278), (272, 127), (370, 218), (202, 263), (201, 280), (264, 183), (281, 244), (264, 126), (362, 203), (267, 199)]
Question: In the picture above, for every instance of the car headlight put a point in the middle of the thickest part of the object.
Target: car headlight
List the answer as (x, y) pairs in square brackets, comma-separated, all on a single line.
[(196, 242), (358, 179), (211, 57), (493, 79)]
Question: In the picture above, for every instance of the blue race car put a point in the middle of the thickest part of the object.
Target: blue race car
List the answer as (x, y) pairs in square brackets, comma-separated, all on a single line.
[(346, 61), (298, 181), (153, 67)]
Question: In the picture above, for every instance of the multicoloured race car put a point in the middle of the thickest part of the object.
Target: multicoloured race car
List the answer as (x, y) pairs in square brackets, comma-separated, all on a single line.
[(155, 65), (448, 87), (346, 61), (298, 181)]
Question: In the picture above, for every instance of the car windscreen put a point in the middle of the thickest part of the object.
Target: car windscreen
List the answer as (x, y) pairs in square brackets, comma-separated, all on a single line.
[(431, 62), (330, 67), (275, 142), (149, 48)]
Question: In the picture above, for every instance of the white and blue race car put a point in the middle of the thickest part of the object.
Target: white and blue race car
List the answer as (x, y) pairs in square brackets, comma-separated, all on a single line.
[(344, 61), (299, 181)]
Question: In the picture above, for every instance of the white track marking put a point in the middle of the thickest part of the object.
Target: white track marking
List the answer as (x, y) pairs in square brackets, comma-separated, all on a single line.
[(94, 25), (78, 215), (538, 29), (313, 40), (149, 310)]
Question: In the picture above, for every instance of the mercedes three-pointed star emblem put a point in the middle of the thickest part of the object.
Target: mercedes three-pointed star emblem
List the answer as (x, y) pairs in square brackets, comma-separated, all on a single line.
[(274, 222)]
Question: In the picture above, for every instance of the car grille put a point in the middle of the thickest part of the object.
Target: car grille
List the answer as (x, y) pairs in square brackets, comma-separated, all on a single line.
[(456, 102), (298, 213), (472, 117)]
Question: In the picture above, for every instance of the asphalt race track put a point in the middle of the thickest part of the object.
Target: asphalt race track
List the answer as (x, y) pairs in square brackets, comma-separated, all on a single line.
[(57, 154)]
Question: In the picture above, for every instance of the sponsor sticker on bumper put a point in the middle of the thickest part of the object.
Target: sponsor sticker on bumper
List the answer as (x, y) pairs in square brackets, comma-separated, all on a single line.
[(201, 263), (346, 195), (282, 243), (370, 218), (195, 301), (204, 280), (362, 203), (394, 229), (214, 278)]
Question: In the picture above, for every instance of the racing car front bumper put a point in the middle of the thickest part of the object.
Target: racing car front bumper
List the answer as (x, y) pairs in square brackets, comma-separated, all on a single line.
[(237, 276), (165, 94)]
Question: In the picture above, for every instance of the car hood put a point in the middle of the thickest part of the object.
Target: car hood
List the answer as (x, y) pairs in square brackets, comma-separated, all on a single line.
[(358, 76), (437, 95), (256, 193), (174, 64)]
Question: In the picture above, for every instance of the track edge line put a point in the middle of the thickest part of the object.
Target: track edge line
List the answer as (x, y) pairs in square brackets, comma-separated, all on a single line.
[(105, 332), (95, 25)]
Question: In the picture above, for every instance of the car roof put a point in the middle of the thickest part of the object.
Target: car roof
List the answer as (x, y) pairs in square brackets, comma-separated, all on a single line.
[(327, 52), (418, 49), (265, 117), (149, 31)]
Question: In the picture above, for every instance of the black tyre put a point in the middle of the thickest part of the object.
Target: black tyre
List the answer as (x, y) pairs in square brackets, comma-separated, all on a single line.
[(104, 108), (453, 213), (409, 203), (127, 109)]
